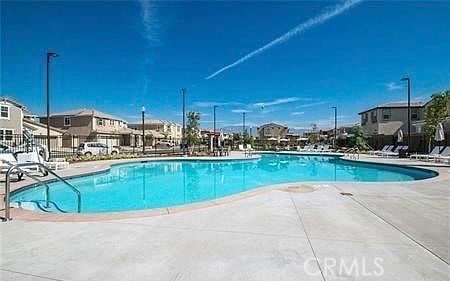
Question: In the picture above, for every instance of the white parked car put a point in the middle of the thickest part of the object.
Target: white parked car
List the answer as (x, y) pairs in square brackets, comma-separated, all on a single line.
[(95, 148), (166, 143)]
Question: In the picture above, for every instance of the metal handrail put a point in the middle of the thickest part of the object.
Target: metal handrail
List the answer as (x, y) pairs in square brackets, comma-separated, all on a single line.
[(45, 168)]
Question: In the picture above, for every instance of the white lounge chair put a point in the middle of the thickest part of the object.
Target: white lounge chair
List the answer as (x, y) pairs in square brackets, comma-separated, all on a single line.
[(6, 161), (35, 157), (395, 152), (326, 148), (305, 148), (385, 148), (249, 148), (433, 152), (444, 155)]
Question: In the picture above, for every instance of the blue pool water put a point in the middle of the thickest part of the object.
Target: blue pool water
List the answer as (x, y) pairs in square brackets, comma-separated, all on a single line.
[(149, 185)]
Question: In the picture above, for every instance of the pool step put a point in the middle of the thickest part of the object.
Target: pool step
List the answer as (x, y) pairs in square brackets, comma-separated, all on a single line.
[(40, 205)]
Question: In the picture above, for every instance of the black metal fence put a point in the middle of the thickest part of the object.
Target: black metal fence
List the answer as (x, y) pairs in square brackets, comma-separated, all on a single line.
[(67, 145), (418, 142)]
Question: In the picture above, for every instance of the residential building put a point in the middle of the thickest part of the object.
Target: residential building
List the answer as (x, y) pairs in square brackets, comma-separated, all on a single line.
[(91, 125), (272, 130), (11, 119), (419, 125), (388, 118), (167, 130), (15, 118)]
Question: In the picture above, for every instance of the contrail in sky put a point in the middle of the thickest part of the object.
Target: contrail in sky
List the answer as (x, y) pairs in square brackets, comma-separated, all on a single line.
[(329, 13)]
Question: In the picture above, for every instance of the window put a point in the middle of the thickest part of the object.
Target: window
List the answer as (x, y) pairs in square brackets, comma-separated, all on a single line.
[(373, 116), (67, 121), (386, 114), (100, 122), (414, 114), (6, 134), (111, 122), (4, 112), (364, 118)]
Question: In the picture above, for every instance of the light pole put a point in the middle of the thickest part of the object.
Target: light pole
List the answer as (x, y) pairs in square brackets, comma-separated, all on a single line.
[(409, 109), (243, 127), (143, 130), (49, 55), (335, 126), (183, 141), (214, 137)]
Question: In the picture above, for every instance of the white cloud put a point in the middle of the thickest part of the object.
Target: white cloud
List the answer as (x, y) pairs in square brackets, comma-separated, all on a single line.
[(326, 15), (213, 103), (311, 104), (150, 22), (276, 102), (392, 86), (240, 110), (297, 113)]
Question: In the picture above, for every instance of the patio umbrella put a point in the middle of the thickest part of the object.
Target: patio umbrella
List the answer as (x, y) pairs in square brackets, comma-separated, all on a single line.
[(272, 139), (284, 139), (439, 135), (221, 138), (400, 135)]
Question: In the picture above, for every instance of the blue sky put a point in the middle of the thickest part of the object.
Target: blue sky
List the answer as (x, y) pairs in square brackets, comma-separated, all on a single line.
[(118, 56)]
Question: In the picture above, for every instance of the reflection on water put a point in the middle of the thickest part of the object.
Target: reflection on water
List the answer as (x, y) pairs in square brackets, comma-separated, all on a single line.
[(170, 183)]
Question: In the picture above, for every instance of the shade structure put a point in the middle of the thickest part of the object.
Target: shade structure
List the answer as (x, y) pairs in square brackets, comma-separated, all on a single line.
[(285, 140), (439, 135), (272, 139), (302, 139), (400, 135)]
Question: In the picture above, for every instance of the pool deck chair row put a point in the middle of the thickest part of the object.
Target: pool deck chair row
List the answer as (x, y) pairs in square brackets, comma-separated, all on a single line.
[(437, 154)]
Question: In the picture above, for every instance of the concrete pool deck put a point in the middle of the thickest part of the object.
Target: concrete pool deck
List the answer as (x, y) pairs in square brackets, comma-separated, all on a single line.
[(270, 235)]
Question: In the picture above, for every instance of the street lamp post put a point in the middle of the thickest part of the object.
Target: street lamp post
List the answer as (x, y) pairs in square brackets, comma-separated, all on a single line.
[(243, 127), (183, 141), (335, 126), (49, 56), (214, 137), (143, 130), (409, 109)]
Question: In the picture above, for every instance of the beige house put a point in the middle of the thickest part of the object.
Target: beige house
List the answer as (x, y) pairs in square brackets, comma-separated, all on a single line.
[(166, 130), (387, 119), (90, 125), (11, 116), (39, 132), (272, 130)]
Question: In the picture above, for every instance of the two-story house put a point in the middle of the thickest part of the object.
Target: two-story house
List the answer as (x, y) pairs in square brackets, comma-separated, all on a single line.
[(15, 118), (169, 130), (387, 119), (272, 130), (90, 125), (11, 119)]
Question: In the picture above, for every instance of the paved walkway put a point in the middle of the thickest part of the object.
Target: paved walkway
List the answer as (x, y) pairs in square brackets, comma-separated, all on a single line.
[(401, 228)]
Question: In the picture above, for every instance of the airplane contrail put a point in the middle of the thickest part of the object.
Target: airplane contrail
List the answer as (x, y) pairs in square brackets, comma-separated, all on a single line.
[(329, 13)]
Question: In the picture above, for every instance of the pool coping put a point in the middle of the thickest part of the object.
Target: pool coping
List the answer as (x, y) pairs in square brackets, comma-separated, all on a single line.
[(24, 214)]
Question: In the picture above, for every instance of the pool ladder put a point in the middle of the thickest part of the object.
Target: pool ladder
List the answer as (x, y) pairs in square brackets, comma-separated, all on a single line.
[(18, 168)]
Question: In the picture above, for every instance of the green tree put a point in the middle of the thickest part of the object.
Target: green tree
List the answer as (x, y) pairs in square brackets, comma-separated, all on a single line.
[(436, 112), (192, 128), (358, 140)]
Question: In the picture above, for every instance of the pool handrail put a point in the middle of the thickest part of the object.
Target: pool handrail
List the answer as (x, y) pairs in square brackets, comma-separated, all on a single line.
[(45, 168)]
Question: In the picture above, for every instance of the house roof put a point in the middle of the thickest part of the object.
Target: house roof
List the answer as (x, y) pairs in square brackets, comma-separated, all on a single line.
[(12, 101), (156, 122), (88, 112), (37, 124), (271, 125), (395, 105)]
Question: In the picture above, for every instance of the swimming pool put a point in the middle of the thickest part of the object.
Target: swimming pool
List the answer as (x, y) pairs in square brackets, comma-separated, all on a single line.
[(156, 184)]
